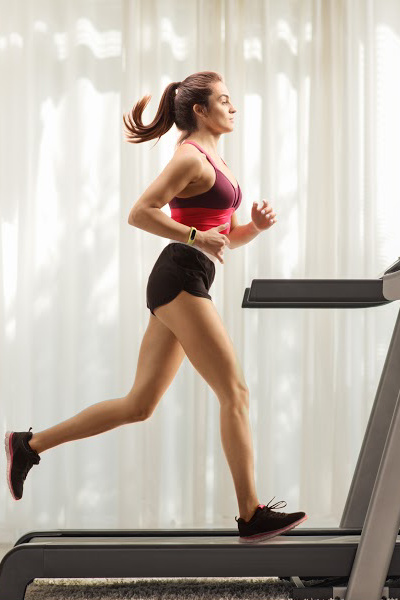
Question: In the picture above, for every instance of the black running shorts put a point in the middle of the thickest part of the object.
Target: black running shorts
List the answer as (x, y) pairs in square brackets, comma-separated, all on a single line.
[(179, 267)]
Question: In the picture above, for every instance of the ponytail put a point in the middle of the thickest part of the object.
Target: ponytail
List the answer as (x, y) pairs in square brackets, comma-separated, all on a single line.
[(176, 106)]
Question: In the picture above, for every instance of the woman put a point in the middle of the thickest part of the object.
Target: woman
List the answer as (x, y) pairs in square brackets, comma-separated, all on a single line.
[(201, 191)]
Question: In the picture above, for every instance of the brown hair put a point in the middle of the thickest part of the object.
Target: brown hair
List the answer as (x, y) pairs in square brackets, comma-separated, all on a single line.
[(176, 106)]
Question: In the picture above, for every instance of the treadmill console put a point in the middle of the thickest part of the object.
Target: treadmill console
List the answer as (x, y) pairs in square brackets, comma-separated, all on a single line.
[(324, 293)]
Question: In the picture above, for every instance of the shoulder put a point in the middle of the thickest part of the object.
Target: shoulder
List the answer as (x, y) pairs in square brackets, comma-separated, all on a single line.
[(187, 149), (188, 156)]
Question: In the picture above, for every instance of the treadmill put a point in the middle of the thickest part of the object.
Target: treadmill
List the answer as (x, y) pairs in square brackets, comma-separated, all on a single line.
[(360, 560)]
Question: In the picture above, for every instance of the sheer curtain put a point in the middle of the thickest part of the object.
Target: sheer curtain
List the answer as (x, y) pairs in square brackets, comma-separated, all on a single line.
[(317, 134)]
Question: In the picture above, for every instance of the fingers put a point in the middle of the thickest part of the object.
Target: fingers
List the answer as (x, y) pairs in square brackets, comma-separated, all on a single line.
[(267, 208), (268, 212)]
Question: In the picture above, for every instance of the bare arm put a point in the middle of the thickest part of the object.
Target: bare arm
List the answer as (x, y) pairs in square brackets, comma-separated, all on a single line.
[(182, 169), (156, 221)]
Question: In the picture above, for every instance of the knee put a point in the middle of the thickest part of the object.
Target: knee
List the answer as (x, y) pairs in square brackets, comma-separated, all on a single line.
[(145, 416), (134, 417), (237, 398), (134, 413), (244, 398)]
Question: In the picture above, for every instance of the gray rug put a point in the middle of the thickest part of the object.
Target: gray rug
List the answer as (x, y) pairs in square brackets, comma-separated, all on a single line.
[(152, 589)]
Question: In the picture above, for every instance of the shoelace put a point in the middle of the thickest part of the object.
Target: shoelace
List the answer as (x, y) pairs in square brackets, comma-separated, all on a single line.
[(268, 508), (280, 514)]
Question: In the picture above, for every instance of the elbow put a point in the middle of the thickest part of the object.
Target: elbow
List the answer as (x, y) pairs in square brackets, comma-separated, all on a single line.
[(132, 219)]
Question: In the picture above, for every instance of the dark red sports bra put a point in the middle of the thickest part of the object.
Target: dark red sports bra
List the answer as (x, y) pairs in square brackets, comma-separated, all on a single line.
[(209, 209)]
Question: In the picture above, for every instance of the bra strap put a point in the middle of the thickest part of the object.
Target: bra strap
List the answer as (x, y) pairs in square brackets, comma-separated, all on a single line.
[(203, 151)]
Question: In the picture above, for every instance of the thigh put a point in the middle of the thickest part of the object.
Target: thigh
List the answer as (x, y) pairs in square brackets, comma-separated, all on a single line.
[(197, 325), (160, 357)]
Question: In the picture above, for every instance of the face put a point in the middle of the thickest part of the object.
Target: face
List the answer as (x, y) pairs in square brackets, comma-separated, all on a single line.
[(221, 110)]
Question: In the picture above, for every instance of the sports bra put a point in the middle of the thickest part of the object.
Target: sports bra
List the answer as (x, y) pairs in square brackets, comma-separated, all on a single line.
[(211, 208)]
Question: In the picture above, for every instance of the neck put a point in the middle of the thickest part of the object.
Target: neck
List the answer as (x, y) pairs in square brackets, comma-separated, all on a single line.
[(207, 142)]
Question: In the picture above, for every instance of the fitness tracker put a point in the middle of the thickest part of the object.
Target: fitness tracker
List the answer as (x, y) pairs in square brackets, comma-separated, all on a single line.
[(192, 236)]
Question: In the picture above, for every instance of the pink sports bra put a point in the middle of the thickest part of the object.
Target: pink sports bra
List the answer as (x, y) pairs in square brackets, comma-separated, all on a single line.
[(211, 208)]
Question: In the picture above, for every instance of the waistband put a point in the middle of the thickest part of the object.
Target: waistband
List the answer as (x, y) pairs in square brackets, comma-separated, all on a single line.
[(210, 256)]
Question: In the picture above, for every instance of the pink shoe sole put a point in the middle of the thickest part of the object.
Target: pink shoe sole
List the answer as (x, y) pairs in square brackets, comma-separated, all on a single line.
[(260, 537), (9, 454)]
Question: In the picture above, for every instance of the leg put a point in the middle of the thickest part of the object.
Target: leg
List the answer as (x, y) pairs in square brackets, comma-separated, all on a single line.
[(199, 328), (160, 357)]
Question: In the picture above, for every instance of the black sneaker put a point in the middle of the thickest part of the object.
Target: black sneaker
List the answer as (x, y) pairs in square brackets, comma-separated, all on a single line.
[(266, 524), (20, 459)]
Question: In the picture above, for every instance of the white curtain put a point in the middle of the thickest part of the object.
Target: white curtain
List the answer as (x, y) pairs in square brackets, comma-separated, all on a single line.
[(317, 133)]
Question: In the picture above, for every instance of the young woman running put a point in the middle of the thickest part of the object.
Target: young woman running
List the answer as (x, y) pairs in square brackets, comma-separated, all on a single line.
[(203, 196)]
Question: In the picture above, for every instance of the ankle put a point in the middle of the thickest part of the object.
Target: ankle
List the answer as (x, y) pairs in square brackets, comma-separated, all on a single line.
[(32, 443), (248, 513)]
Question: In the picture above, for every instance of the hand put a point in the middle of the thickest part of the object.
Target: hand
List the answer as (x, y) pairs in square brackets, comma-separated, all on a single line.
[(212, 241), (262, 218)]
